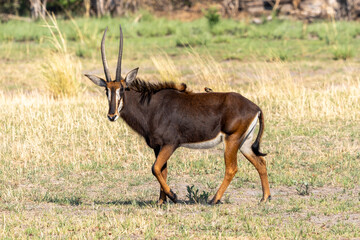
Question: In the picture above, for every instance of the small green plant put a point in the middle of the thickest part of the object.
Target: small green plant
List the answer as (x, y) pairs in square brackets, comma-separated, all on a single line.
[(212, 16), (194, 197), (303, 189)]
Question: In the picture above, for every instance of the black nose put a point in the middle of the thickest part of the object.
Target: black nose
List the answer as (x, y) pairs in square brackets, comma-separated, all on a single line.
[(112, 118)]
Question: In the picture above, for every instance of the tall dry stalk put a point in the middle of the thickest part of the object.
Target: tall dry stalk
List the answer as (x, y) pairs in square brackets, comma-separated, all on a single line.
[(205, 69), (166, 68), (209, 72)]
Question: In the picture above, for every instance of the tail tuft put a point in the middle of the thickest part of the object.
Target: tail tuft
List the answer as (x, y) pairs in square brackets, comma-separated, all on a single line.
[(256, 145)]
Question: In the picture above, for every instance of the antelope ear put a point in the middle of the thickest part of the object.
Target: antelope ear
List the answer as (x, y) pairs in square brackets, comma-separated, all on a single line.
[(131, 76), (98, 81)]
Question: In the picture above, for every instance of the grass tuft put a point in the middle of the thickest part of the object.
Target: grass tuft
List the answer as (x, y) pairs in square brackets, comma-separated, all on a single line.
[(61, 70), (342, 52)]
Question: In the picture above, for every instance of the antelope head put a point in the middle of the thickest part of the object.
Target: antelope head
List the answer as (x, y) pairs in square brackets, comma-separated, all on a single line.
[(114, 89)]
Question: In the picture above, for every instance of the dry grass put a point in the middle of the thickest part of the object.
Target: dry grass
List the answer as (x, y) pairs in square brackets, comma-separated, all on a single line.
[(205, 69), (67, 172), (166, 68), (278, 92), (209, 72), (61, 70)]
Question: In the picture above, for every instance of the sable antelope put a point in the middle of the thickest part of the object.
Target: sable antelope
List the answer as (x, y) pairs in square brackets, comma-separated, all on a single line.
[(169, 116)]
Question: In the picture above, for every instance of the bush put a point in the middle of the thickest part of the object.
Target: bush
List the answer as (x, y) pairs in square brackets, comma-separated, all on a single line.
[(212, 17)]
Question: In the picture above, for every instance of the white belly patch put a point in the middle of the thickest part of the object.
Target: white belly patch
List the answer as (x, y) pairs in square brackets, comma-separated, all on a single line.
[(205, 144)]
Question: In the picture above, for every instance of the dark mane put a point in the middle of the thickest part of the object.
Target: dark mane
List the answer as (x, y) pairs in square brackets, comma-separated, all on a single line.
[(147, 89)]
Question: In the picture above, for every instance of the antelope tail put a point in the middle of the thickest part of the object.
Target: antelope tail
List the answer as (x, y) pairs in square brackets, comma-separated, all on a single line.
[(256, 145)]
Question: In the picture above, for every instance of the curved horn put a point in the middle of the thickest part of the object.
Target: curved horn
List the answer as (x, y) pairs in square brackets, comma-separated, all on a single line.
[(118, 68), (106, 67)]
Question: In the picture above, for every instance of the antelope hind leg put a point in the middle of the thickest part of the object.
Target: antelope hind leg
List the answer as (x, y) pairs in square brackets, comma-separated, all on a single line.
[(230, 155), (260, 165)]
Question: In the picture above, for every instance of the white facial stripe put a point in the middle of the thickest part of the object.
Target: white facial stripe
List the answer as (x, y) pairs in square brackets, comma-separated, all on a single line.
[(109, 95), (121, 105), (205, 144), (117, 94)]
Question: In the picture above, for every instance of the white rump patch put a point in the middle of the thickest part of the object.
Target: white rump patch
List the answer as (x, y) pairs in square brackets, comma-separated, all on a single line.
[(205, 144), (247, 142)]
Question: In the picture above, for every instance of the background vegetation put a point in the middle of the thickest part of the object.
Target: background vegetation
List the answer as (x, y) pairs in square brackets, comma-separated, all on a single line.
[(67, 172)]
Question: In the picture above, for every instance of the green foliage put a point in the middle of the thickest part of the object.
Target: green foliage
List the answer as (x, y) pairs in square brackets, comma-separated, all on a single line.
[(212, 16), (14, 6), (191, 41), (146, 16), (194, 196), (274, 40), (158, 28), (303, 189)]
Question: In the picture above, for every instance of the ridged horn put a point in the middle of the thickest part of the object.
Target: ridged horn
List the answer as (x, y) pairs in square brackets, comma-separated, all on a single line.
[(103, 57), (118, 67)]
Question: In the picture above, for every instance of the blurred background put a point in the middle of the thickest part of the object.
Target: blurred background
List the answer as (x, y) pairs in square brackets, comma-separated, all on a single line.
[(303, 9)]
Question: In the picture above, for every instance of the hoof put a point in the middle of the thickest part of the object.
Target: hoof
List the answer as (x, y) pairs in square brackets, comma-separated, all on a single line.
[(264, 200), (161, 202), (172, 196), (212, 202)]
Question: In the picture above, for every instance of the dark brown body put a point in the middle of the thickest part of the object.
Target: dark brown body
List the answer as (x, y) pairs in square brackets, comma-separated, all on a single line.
[(168, 117), (173, 117)]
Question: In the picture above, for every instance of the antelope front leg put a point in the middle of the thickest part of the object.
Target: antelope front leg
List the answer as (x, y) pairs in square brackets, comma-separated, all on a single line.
[(231, 149), (162, 197), (158, 167)]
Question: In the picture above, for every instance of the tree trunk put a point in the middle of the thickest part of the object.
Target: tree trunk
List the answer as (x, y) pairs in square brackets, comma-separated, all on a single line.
[(43, 7), (87, 5), (98, 6), (38, 8)]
